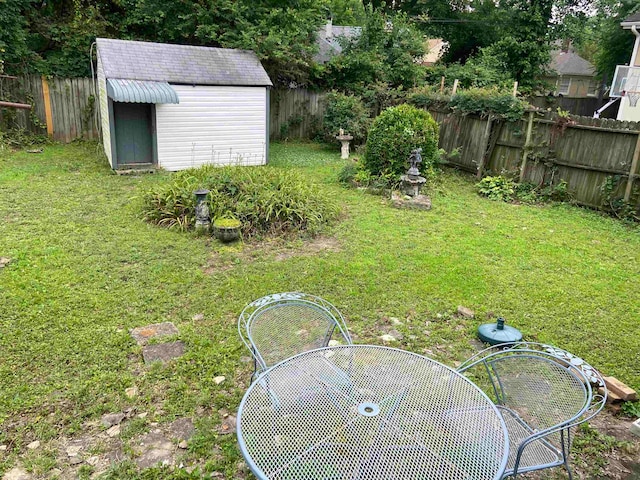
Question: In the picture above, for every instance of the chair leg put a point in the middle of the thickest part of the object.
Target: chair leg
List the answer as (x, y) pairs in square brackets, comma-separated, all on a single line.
[(565, 440)]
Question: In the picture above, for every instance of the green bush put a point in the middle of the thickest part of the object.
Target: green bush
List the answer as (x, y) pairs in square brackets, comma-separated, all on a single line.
[(485, 101), (394, 134), (346, 112), (497, 188), (266, 200)]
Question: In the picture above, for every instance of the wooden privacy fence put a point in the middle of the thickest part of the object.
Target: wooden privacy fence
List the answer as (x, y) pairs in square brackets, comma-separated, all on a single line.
[(63, 108), (295, 113), (543, 148), (67, 109)]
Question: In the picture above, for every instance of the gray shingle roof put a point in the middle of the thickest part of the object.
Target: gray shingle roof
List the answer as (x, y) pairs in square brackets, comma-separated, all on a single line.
[(162, 62), (330, 42), (569, 63), (634, 18)]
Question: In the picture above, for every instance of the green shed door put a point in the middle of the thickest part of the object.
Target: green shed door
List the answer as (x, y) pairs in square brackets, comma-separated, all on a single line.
[(134, 136)]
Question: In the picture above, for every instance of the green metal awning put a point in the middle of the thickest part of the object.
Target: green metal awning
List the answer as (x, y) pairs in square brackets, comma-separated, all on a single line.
[(140, 91)]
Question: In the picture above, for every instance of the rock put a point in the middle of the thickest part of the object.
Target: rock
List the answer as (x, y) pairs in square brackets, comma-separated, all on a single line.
[(386, 338), (163, 352), (111, 419), (635, 427), (73, 450), (182, 429), (3, 448), (219, 380), (419, 202), (143, 415), (33, 445), (228, 425), (155, 456), (142, 334), (16, 474), (465, 312), (113, 431), (4, 261), (396, 334), (183, 444), (153, 440), (395, 321), (334, 343), (75, 460), (93, 461), (198, 317), (131, 392)]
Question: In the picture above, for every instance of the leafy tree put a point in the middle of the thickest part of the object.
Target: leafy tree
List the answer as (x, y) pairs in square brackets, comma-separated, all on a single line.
[(385, 51), (346, 12), (13, 34), (615, 44)]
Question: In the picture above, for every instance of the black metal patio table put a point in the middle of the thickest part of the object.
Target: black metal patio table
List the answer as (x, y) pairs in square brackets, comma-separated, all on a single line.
[(369, 413)]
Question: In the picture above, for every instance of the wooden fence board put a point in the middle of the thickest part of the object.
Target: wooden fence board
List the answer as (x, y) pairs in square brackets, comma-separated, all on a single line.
[(584, 154)]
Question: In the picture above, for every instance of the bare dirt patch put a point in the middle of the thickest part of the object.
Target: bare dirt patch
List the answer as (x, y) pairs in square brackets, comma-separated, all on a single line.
[(278, 250)]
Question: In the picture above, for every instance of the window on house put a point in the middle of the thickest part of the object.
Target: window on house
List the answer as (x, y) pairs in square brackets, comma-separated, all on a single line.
[(594, 86), (563, 85)]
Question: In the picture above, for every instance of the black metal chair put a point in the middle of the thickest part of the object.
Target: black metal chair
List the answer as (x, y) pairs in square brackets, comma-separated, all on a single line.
[(542, 392)]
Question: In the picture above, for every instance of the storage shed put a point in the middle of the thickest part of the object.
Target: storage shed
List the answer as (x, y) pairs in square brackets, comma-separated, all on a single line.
[(180, 106)]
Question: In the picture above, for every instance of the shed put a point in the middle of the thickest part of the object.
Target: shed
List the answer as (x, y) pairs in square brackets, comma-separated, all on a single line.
[(181, 106)]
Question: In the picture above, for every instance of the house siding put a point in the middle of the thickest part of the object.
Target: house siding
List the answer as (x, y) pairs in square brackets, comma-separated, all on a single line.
[(104, 112), (220, 125)]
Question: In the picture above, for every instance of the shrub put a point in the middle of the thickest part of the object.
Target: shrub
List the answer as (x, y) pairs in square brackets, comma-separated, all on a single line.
[(497, 188), (266, 200), (346, 112), (485, 101), (393, 135)]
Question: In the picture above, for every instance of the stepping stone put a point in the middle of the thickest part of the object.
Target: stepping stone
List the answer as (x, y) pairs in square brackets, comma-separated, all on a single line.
[(182, 429), (142, 335), (111, 419), (154, 448), (16, 474), (163, 352)]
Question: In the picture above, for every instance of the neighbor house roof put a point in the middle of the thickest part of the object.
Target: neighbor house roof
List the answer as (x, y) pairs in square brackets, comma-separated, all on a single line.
[(570, 63), (633, 19), (182, 64), (329, 40)]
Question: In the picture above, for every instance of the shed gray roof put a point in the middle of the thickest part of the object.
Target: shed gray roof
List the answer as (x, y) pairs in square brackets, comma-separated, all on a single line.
[(570, 63), (185, 64)]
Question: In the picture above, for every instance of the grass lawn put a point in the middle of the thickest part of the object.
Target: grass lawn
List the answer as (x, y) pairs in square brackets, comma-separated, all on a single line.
[(85, 269)]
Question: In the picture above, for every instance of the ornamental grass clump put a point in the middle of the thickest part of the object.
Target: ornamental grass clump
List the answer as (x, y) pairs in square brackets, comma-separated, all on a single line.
[(267, 201), (394, 134)]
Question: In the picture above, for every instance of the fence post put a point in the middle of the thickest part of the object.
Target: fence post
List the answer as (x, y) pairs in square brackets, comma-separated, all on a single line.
[(442, 85), (527, 146), (455, 87), (47, 106), (632, 171), (485, 143)]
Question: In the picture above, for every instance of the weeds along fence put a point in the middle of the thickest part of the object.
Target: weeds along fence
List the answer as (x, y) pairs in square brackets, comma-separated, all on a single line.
[(544, 148), (67, 109)]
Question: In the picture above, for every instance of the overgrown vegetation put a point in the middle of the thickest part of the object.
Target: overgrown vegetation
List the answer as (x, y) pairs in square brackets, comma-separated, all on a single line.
[(345, 112), (267, 201), (488, 101), (504, 188), (394, 134)]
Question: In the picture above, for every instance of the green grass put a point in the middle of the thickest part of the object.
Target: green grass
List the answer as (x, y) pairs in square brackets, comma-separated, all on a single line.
[(85, 269)]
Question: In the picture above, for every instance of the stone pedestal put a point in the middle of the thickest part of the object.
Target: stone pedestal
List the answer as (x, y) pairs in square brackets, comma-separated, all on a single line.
[(411, 184), (344, 151), (419, 202)]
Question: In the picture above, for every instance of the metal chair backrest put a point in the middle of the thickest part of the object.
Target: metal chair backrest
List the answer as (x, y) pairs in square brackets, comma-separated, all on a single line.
[(547, 388), (282, 325)]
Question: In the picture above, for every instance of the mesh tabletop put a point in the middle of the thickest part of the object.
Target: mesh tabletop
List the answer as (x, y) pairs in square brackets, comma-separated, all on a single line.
[(369, 413)]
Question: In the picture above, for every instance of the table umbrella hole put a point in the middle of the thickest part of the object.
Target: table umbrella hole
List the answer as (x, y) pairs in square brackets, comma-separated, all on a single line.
[(368, 409)]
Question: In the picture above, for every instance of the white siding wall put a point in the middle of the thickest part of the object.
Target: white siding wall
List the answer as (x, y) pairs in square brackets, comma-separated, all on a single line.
[(220, 125), (104, 112)]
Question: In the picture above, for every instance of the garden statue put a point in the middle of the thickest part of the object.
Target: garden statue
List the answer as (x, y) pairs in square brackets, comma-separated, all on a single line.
[(344, 139), (415, 159), (203, 223), (412, 182)]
